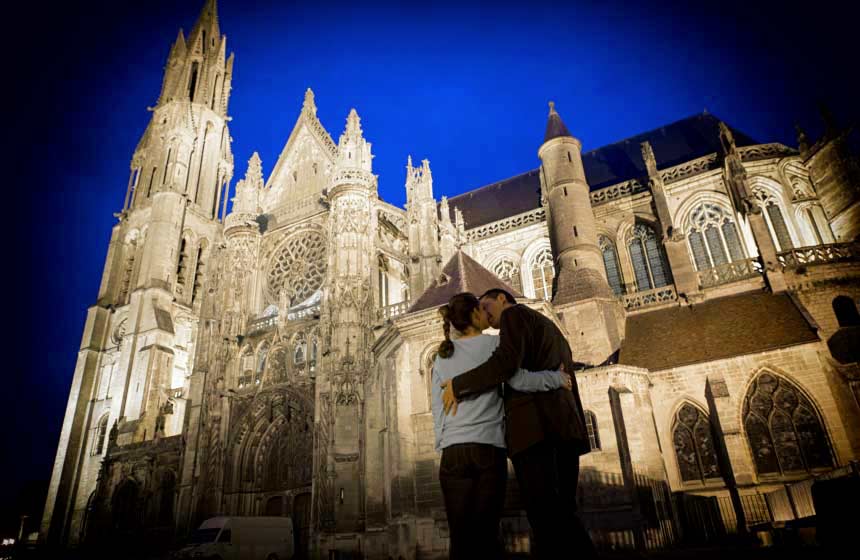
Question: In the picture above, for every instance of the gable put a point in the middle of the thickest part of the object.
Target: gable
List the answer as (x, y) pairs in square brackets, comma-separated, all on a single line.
[(303, 168)]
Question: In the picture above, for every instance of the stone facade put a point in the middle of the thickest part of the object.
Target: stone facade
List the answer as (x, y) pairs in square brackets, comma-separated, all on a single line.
[(266, 361)]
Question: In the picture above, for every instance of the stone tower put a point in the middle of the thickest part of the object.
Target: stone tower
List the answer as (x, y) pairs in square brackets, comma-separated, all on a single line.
[(347, 301), (138, 342), (581, 292), (425, 259)]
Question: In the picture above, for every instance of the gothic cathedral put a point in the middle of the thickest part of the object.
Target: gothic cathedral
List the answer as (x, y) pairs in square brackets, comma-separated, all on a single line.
[(275, 359)]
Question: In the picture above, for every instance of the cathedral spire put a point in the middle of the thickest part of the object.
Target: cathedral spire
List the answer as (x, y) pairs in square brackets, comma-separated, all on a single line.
[(207, 24)]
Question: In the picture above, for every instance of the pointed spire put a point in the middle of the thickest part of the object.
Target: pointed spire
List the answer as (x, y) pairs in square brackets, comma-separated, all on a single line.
[(409, 162), (208, 18), (178, 49), (555, 127), (353, 124), (309, 104), (254, 175), (248, 190)]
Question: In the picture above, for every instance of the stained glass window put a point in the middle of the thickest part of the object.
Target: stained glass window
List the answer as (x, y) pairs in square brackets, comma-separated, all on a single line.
[(713, 237), (543, 272), (610, 263), (783, 429), (649, 262), (694, 445), (773, 216)]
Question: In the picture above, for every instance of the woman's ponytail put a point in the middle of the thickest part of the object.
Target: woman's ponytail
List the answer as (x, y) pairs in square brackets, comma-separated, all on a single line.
[(446, 349)]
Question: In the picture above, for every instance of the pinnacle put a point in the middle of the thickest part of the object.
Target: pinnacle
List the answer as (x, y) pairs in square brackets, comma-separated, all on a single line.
[(353, 123), (555, 127), (309, 104)]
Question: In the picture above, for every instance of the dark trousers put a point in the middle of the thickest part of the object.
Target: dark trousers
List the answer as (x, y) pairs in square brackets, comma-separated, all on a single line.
[(547, 474), (473, 478)]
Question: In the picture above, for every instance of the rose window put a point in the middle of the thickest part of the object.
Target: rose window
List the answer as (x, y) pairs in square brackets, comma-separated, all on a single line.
[(297, 268)]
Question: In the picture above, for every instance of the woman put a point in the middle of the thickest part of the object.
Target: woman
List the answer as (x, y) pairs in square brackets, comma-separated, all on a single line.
[(474, 468)]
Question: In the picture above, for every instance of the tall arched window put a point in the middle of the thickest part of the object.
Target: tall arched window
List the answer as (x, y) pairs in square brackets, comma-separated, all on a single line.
[(774, 218), (784, 432), (694, 445), (508, 271), (593, 433), (99, 434), (713, 237), (649, 263), (192, 82), (543, 272), (610, 263)]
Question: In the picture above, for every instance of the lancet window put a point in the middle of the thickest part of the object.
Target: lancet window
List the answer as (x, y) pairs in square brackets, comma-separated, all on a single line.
[(610, 263), (649, 262), (543, 272), (775, 220), (694, 445), (99, 435)]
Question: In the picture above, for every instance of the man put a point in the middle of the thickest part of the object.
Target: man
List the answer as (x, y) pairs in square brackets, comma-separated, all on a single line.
[(545, 432)]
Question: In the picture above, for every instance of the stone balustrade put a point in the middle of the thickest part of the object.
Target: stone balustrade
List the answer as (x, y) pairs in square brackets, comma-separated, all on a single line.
[(391, 311), (729, 272), (647, 298), (819, 254)]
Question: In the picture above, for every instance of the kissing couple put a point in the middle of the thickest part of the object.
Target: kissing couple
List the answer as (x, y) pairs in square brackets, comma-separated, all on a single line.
[(512, 395)]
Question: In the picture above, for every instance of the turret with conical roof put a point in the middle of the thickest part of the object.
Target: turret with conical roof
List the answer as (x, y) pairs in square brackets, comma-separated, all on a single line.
[(592, 315), (579, 263)]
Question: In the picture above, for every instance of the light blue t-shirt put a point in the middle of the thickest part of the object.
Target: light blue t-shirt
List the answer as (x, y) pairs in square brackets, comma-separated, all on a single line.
[(481, 419)]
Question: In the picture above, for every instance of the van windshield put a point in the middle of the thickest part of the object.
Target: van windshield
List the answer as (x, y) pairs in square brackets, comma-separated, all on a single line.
[(201, 536)]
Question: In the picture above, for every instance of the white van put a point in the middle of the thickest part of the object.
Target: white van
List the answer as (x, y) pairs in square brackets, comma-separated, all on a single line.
[(241, 538)]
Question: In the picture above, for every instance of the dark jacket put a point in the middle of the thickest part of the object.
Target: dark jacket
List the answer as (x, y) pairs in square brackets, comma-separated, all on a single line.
[(530, 341)]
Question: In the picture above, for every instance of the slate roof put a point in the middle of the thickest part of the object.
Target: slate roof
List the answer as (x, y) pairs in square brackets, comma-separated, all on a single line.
[(554, 125), (714, 330), (675, 143), (461, 274)]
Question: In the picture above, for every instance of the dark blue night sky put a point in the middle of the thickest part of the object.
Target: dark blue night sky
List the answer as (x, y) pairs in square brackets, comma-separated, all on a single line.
[(464, 85)]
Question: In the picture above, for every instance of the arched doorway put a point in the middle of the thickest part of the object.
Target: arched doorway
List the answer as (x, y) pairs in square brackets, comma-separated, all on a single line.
[(126, 512), (272, 454)]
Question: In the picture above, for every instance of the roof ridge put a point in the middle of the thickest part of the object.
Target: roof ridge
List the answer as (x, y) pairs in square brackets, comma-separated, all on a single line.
[(493, 184), (652, 130)]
